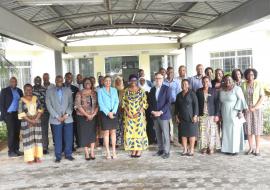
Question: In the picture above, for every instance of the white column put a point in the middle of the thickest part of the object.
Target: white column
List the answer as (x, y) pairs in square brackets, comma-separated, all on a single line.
[(165, 63), (189, 60), (58, 63), (77, 67)]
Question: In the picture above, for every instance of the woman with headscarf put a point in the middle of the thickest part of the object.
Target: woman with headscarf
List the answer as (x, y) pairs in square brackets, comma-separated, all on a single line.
[(134, 104)]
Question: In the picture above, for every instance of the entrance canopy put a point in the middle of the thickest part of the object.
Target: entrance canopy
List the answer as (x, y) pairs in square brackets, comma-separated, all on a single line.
[(68, 17)]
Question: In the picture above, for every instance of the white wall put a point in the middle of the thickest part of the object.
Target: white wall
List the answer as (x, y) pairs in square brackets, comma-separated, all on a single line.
[(257, 40), (42, 60)]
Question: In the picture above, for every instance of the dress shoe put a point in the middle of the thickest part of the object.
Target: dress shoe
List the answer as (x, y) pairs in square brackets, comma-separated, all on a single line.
[(159, 153), (166, 155), (57, 160), (70, 158), (19, 153), (12, 154)]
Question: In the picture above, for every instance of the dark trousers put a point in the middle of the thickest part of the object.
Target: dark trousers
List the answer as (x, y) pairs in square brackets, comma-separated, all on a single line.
[(64, 130), (150, 128), (13, 129), (75, 130), (44, 127)]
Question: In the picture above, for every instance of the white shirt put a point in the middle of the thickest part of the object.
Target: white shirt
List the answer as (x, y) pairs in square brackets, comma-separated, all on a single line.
[(157, 92)]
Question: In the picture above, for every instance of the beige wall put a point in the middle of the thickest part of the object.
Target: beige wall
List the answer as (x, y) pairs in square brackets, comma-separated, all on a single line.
[(144, 63), (99, 65)]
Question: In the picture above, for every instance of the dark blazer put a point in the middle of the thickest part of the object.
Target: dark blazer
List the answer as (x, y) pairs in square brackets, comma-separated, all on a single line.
[(213, 102), (6, 98), (74, 90), (163, 103), (186, 107)]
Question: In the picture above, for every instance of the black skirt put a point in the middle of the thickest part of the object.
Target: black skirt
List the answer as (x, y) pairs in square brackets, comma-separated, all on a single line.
[(107, 123), (86, 131), (188, 129)]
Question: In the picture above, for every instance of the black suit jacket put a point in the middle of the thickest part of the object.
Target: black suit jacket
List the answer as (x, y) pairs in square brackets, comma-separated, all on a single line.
[(212, 102), (163, 103), (6, 98)]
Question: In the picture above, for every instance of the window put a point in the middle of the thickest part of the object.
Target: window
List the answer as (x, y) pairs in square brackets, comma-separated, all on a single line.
[(155, 64), (86, 67), (158, 61), (70, 65), (230, 60), (121, 66), (21, 70)]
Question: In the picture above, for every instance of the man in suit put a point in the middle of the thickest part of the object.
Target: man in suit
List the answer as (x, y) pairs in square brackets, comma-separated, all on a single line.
[(9, 104), (159, 105), (60, 106)]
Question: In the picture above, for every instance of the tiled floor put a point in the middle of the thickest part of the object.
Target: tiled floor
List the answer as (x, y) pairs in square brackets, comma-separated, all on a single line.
[(218, 171)]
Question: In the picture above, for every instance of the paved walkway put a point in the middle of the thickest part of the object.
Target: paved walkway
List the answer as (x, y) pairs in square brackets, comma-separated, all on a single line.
[(199, 172)]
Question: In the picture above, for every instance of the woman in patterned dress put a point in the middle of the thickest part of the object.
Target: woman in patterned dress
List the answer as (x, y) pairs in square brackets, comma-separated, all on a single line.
[(29, 113), (87, 109), (134, 104), (209, 138), (254, 95), (119, 85)]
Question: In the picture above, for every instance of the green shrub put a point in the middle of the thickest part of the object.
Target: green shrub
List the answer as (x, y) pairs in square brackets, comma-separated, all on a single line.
[(266, 117), (3, 131)]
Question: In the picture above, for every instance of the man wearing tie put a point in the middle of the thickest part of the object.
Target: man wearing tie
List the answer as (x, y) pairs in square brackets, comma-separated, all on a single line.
[(59, 103), (159, 105)]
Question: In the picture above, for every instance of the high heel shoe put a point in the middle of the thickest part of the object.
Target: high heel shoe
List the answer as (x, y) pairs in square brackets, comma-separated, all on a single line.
[(190, 154), (251, 151), (108, 157), (87, 158), (114, 156), (257, 153), (92, 157), (37, 160), (184, 153)]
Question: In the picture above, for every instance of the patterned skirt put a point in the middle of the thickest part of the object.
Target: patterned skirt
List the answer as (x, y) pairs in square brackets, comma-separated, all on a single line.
[(120, 130), (32, 141), (208, 133), (254, 124), (135, 136)]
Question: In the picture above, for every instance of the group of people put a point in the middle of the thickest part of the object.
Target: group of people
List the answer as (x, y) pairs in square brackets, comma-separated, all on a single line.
[(214, 111)]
